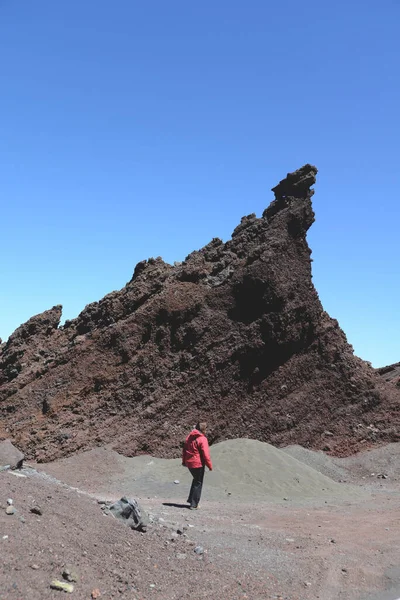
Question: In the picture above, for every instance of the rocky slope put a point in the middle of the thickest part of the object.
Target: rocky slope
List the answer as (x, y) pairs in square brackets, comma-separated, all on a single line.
[(235, 334), (391, 373)]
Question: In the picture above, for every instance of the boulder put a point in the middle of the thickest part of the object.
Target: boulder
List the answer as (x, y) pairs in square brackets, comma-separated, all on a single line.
[(130, 512), (10, 455)]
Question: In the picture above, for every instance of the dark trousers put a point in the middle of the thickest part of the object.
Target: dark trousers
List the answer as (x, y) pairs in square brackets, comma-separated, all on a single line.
[(197, 484)]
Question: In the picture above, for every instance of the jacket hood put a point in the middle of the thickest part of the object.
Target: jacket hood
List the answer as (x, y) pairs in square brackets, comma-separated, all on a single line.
[(195, 433)]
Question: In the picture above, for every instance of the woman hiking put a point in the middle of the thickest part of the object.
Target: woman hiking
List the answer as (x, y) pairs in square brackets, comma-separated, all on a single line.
[(196, 456)]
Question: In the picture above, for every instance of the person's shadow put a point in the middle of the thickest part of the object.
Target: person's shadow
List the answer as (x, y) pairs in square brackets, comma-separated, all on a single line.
[(176, 505)]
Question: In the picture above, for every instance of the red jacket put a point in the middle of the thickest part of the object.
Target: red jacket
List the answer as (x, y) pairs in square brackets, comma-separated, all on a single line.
[(195, 451)]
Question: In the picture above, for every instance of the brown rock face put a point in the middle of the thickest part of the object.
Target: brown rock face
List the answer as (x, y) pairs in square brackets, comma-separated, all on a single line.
[(235, 335), (391, 373)]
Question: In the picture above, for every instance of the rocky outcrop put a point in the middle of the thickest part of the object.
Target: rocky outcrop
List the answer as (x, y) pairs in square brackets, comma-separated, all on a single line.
[(10, 456), (235, 334), (34, 334), (391, 373)]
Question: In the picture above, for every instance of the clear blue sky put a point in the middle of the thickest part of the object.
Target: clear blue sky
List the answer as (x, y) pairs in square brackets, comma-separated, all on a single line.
[(137, 129)]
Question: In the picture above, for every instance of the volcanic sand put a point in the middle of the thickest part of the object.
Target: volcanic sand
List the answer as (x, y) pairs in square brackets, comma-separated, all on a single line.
[(244, 470)]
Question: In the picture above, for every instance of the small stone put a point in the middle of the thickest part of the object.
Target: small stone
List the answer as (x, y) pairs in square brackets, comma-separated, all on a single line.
[(176, 481), (10, 510), (199, 550), (36, 510), (286, 499), (190, 525), (152, 585), (5, 537), (35, 567), (70, 574), (344, 571), (307, 583), (10, 501), (61, 585), (95, 593), (181, 556), (174, 535), (22, 519), (333, 541), (289, 539)]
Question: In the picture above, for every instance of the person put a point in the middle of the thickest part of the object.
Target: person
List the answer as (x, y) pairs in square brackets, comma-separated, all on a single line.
[(196, 456)]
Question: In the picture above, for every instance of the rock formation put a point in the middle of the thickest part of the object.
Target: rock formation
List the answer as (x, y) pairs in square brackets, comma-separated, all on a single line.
[(391, 373), (235, 335)]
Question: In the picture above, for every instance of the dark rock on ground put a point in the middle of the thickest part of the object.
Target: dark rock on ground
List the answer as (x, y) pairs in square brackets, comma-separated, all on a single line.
[(235, 334), (130, 512), (36, 510)]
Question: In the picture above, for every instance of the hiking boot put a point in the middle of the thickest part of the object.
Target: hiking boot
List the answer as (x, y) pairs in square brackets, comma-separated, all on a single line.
[(193, 508)]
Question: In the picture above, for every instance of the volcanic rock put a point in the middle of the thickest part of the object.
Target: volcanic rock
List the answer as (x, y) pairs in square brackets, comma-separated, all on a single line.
[(10, 455), (130, 512), (391, 373), (235, 335)]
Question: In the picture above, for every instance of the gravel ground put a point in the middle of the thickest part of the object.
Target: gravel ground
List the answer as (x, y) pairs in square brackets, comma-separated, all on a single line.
[(303, 548)]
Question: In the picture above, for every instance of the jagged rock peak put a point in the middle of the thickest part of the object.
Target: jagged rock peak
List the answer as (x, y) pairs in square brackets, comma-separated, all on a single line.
[(294, 190), (297, 184), (41, 324)]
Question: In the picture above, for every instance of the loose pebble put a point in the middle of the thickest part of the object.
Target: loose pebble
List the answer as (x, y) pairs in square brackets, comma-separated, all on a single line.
[(70, 574), (36, 510)]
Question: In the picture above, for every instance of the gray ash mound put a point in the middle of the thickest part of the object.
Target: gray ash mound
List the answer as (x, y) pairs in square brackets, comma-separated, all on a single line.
[(235, 334)]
